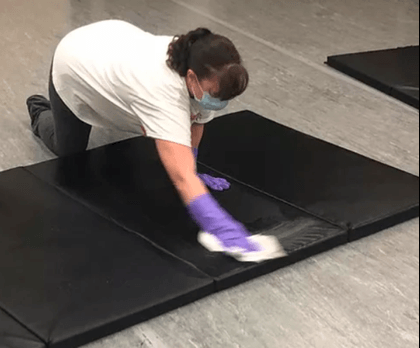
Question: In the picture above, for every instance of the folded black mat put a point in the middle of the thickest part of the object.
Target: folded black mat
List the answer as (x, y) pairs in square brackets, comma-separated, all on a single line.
[(71, 276), (95, 243), (14, 335), (127, 183), (337, 185), (394, 72)]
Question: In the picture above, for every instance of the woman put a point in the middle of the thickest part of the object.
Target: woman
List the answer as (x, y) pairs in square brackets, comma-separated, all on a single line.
[(112, 74)]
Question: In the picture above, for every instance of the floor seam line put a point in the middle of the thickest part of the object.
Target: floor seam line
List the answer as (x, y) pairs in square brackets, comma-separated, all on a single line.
[(277, 48)]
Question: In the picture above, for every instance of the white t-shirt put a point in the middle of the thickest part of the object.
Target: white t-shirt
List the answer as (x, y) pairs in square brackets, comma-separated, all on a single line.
[(112, 74)]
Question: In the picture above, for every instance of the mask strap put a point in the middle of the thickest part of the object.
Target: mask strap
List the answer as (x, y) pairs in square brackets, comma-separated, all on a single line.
[(199, 85)]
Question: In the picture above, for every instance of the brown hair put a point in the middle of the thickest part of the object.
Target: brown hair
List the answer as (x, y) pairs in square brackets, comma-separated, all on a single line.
[(207, 55)]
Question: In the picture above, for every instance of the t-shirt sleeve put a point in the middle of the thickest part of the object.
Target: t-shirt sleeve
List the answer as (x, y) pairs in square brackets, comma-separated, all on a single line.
[(164, 122)]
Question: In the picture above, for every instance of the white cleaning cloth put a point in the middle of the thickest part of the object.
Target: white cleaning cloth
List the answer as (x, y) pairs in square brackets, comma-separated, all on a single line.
[(271, 248)]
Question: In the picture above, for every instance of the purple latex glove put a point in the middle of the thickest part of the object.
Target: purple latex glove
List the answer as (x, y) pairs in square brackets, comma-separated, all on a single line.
[(212, 218), (216, 184)]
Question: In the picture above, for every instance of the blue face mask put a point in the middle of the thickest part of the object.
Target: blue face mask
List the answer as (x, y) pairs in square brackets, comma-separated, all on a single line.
[(210, 103)]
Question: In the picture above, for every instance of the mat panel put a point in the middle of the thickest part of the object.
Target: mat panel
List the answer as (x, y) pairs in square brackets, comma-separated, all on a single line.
[(342, 187), (101, 241), (14, 335), (122, 179), (72, 276), (394, 72)]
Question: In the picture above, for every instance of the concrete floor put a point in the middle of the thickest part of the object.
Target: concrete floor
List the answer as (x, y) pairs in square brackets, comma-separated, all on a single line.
[(359, 296)]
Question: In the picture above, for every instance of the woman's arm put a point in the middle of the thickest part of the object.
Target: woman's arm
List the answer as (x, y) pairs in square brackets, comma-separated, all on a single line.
[(216, 184), (179, 162), (197, 131), (221, 232)]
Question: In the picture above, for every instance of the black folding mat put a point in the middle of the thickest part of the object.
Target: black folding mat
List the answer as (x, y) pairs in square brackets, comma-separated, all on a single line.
[(14, 335), (95, 243), (394, 72)]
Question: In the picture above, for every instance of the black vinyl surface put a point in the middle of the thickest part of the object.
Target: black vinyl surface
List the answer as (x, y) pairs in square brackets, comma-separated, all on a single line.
[(337, 185), (94, 243), (14, 335), (394, 72), (127, 183), (71, 276)]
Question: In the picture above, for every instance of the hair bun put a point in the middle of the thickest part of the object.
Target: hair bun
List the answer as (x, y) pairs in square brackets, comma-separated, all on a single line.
[(207, 54), (197, 35)]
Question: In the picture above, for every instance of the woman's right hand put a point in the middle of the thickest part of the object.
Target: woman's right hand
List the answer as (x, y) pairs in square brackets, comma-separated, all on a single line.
[(213, 219), (179, 162), (220, 231)]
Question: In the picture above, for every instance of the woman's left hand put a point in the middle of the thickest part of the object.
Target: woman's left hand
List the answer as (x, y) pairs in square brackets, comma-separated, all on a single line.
[(216, 184)]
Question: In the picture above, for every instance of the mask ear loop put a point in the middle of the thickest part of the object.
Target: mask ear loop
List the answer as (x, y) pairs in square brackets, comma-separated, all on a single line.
[(201, 88)]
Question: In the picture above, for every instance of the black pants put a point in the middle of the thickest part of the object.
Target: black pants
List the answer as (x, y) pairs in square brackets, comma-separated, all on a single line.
[(61, 131)]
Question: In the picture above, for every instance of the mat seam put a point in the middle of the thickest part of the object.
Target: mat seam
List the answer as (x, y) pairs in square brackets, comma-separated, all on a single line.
[(275, 198), (348, 228), (23, 326), (344, 228), (139, 235)]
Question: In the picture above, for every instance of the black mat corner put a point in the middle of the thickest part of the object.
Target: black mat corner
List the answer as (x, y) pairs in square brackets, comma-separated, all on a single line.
[(344, 188), (14, 335), (393, 71), (72, 276)]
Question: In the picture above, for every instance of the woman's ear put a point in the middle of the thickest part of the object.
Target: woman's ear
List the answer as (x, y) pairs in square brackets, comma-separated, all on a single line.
[(190, 78)]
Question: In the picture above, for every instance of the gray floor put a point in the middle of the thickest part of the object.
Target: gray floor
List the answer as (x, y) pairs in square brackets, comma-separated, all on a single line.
[(362, 295)]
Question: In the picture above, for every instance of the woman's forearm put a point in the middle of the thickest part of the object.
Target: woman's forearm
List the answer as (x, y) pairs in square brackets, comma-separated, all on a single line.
[(179, 162), (190, 188)]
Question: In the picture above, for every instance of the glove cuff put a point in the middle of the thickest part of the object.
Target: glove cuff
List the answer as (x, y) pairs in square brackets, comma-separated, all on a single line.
[(208, 214), (195, 152)]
